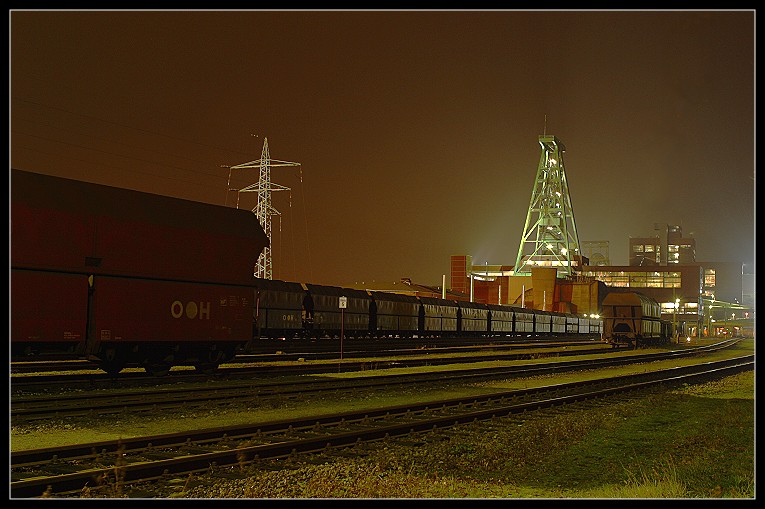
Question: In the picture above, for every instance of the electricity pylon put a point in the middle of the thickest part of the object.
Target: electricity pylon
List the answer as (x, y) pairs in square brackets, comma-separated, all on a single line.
[(263, 209), (549, 237)]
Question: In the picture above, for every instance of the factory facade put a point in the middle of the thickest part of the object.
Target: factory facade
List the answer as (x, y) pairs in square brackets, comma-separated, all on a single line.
[(701, 298)]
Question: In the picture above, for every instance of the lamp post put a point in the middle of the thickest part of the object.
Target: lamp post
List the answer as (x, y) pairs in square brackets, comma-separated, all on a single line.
[(674, 320), (732, 324)]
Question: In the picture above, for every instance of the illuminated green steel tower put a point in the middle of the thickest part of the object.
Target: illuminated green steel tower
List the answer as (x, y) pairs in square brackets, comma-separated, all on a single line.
[(549, 237)]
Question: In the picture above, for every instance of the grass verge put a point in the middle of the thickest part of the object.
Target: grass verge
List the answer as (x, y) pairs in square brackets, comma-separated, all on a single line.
[(692, 442)]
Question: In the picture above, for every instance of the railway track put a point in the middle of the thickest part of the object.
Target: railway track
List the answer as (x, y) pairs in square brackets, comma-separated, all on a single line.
[(66, 471), (293, 350), (262, 369), (30, 408)]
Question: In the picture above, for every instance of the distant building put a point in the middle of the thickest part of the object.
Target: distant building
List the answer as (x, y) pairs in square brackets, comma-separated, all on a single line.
[(701, 298), (747, 286), (680, 250), (596, 251), (697, 296), (726, 281), (645, 251), (542, 289), (667, 248)]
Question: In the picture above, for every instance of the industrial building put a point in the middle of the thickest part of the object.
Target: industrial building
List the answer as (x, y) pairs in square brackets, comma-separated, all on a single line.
[(701, 298), (670, 247), (552, 273)]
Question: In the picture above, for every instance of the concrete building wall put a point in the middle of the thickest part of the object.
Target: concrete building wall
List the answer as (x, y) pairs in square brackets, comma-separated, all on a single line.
[(543, 283), (460, 273)]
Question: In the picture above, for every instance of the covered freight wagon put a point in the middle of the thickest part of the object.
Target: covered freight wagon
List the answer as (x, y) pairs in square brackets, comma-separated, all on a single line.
[(633, 318), (542, 323), (394, 314), (278, 310), (128, 278), (524, 321), (325, 317), (473, 318), (438, 315), (73, 226), (572, 324), (501, 319)]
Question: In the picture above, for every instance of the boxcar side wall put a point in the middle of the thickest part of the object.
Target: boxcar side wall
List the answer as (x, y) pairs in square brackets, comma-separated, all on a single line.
[(71, 226), (49, 312)]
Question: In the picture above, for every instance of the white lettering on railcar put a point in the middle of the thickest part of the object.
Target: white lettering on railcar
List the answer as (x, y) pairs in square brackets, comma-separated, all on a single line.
[(192, 310)]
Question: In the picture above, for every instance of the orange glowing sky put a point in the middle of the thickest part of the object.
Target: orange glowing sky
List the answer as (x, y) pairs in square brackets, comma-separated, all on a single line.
[(416, 130)]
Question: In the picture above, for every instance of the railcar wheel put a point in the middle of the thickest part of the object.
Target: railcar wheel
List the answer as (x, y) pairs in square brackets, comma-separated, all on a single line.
[(112, 367), (157, 369), (207, 368), (113, 361)]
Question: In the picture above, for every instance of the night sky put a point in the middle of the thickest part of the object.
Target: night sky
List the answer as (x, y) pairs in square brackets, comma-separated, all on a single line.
[(416, 130)]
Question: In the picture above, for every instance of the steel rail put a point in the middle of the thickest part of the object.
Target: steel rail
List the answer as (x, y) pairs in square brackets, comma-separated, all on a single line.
[(130, 473), (67, 405)]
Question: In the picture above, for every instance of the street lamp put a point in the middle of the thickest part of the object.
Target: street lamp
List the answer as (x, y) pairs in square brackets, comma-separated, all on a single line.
[(674, 319)]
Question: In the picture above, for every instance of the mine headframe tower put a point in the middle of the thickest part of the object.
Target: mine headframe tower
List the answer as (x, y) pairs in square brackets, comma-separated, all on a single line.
[(549, 237), (264, 210)]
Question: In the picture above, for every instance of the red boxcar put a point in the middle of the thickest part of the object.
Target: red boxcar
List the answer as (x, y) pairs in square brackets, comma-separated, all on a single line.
[(48, 309), (159, 323), (69, 225), (101, 272)]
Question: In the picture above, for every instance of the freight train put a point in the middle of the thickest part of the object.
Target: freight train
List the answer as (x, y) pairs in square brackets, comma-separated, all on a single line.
[(126, 278), (287, 310), (634, 319)]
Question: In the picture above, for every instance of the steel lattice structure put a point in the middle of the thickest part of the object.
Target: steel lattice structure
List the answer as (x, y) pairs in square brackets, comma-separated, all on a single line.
[(263, 209), (549, 237)]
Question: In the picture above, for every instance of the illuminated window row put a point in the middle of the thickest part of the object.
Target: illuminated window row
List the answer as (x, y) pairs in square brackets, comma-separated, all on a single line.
[(668, 308), (639, 279)]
